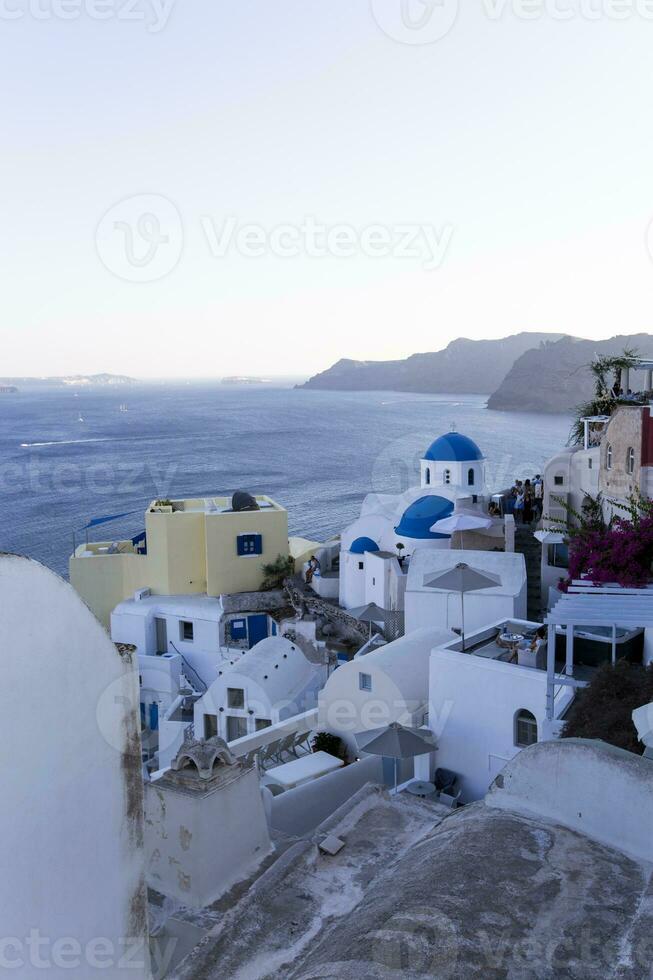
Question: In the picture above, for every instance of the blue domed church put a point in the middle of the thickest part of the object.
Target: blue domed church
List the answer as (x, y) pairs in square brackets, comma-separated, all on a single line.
[(393, 526)]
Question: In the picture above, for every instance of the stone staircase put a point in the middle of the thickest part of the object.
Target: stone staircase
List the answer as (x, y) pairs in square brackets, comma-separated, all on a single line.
[(530, 548)]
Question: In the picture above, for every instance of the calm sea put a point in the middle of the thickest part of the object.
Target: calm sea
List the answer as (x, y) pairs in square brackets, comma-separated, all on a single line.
[(67, 456)]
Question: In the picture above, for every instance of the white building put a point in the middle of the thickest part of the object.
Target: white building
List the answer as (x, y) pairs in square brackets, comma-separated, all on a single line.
[(389, 684), (443, 608), (71, 827), (452, 476), (484, 709), (206, 827), (270, 683)]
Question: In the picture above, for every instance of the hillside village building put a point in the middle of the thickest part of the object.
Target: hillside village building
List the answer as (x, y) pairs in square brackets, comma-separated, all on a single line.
[(614, 460), (375, 550), (211, 546)]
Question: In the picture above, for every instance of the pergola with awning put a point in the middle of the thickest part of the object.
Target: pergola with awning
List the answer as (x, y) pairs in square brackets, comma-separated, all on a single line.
[(586, 605), (641, 364)]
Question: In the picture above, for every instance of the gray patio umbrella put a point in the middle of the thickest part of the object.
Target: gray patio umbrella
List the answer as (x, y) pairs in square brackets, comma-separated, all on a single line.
[(461, 522), (463, 578), (395, 742), (371, 613)]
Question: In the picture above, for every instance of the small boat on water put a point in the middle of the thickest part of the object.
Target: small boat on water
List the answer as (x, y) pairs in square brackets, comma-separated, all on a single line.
[(80, 419), (123, 408)]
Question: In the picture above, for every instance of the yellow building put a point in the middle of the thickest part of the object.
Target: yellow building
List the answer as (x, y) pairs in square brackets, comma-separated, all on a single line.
[(215, 545)]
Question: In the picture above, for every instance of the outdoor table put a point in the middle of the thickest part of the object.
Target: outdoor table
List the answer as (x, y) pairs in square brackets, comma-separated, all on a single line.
[(509, 640), (420, 788)]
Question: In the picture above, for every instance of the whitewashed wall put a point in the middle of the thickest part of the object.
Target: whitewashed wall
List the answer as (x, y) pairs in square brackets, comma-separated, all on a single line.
[(71, 821)]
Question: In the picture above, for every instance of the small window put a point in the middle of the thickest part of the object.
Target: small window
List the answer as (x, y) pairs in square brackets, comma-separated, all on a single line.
[(630, 461), (361, 566), (262, 723), (428, 475), (447, 476), (249, 544), (608, 457), (185, 630), (559, 480), (470, 477), (590, 463), (525, 729), (210, 726), (558, 556), (236, 727), (364, 682), (235, 697)]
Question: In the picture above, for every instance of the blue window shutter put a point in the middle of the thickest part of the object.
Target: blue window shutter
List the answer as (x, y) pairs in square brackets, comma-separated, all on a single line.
[(249, 544)]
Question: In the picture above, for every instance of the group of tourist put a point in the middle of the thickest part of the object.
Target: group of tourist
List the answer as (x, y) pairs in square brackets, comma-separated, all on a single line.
[(527, 500)]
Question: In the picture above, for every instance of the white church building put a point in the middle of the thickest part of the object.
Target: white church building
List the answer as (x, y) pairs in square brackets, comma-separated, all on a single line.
[(376, 549)]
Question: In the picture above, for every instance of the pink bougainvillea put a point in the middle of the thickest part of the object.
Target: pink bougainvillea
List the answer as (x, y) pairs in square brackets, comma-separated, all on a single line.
[(620, 553)]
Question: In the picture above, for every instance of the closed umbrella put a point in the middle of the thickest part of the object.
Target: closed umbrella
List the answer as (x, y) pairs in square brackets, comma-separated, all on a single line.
[(396, 742), (461, 522), (463, 578), (371, 613)]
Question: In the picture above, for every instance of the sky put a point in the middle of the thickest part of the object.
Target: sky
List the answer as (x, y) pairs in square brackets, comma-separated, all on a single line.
[(198, 189)]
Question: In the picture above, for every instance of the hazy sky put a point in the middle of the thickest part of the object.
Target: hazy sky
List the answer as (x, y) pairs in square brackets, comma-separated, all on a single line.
[(511, 159)]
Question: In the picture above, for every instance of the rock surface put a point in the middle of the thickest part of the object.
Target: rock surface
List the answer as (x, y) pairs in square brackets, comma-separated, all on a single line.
[(418, 893), (555, 376), (463, 367)]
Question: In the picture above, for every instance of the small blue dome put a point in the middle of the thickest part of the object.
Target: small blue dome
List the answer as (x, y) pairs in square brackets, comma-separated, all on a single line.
[(419, 518), (361, 545), (453, 448)]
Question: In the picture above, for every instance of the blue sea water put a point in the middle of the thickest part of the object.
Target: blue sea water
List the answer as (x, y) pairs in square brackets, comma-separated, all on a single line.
[(69, 455)]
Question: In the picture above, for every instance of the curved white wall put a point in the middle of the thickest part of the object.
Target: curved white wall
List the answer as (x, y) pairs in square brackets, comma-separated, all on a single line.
[(71, 823)]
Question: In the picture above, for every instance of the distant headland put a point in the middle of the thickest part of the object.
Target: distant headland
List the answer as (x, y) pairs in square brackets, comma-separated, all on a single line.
[(70, 380), (526, 372)]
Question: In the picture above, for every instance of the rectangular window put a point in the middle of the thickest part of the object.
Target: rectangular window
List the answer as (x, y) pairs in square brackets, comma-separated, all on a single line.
[(361, 566), (364, 682), (210, 726), (558, 556), (185, 630), (249, 544), (235, 697), (559, 481), (236, 727), (262, 723)]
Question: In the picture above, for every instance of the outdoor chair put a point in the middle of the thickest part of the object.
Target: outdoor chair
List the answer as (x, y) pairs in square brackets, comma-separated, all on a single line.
[(450, 799), (285, 745), (249, 759), (301, 742), (526, 658), (445, 781), (268, 753)]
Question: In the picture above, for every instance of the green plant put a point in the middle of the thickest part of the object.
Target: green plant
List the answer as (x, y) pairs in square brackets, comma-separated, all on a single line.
[(276, 572), (603, 402), (326, 742), (603, 709)]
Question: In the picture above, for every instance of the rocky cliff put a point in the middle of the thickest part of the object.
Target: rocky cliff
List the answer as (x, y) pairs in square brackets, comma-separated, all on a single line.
[(463, 367), (555, 376)]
